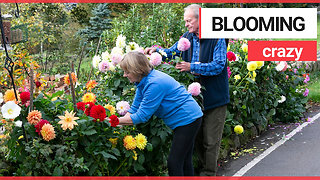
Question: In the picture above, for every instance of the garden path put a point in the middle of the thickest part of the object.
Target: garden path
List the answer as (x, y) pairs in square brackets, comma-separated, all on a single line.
[(280, 152)]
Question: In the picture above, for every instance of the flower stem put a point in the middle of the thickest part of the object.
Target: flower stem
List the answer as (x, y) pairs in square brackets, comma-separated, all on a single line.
[(120, 165), (243, 79)]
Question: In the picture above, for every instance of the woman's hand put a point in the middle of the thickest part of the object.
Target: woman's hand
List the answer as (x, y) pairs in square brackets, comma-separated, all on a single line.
[(125, 120)]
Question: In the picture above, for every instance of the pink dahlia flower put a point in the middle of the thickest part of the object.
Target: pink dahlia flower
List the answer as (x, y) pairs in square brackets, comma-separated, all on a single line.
[(122, 107), (155, 59), (116, 58), (183, 44), (194, 89), (104, 66)]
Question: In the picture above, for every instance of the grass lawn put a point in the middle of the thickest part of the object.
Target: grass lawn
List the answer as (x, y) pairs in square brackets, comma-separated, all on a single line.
[(314, 87)]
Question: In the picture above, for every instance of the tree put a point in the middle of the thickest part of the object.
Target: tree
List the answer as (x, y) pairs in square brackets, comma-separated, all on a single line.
[(99, 22)]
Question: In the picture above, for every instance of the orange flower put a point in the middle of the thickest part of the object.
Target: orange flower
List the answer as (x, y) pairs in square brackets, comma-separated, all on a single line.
[(89, 97), (34, 117), (47, 132), (129, 142), (91, 84), (9, 96), (67, 80)]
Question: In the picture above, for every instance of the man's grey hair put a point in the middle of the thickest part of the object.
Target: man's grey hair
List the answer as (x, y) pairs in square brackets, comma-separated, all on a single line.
[(194, 8)]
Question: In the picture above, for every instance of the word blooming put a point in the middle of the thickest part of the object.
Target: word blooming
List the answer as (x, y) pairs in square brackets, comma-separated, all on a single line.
[(258, 23)]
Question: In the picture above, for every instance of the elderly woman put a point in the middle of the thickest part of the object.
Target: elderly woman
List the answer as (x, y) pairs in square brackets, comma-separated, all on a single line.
[(159, 94)]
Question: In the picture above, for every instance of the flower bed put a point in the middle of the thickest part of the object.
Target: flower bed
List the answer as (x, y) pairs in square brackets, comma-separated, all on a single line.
[(57, 139)]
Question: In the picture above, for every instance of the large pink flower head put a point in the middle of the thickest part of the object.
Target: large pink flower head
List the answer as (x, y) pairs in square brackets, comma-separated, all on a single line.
[(194, 89), (183, 44), (155, 59), (116, 58), (104, 66), (231, 56), (122, 107)]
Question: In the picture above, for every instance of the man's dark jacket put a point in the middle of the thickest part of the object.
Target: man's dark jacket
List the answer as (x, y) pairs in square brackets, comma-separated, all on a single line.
[(216, 91)]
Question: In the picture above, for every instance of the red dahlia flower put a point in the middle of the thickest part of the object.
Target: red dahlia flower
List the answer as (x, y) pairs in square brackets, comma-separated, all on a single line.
[(114, 120), (98, 113), (88, 106), (25, 96), (40, 124), (81, 106), (231, 56), (38, 84)]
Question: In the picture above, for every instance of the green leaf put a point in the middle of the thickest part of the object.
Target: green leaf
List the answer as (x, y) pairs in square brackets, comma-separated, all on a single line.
[(90, 132), (59, 93), (107, 155), (141, 159), (117, 82), (115, 151), (149, 147), (272, 112), (57, 171)]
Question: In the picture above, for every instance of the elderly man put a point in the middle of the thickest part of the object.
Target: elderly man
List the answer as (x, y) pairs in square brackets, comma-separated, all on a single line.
[(206, 59)]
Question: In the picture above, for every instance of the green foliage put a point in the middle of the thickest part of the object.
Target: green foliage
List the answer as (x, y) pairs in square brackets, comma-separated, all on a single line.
[(254, 99), (148, 24), (98, 22), (314, 87), (85, 150)]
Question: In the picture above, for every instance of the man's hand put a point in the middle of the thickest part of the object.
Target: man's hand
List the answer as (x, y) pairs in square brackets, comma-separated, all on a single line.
[(183, 66), (150, 50)]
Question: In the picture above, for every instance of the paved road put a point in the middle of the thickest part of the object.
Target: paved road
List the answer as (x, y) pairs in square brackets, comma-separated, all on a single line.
[(299, 155)]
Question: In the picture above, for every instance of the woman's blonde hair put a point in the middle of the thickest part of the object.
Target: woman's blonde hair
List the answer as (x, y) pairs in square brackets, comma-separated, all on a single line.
[(137, 64)]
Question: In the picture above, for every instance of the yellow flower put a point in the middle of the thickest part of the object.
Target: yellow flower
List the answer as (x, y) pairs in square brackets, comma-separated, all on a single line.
[(244, 48), (91, 84), (34, 117), (20, 137), (254, 74), (129, 142), (47, 132), (228, 48), (132, 89), (141, 141), (9, 96), (252, 66), (237, 77), (111, 108), (113, 141), (260, 64), (68, 120), (89, 97), (135, 156), (238, 129), (54, 99)]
